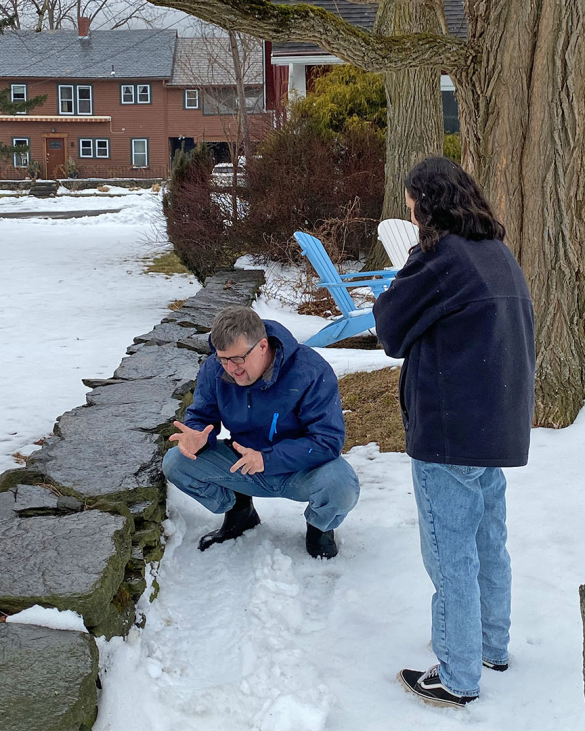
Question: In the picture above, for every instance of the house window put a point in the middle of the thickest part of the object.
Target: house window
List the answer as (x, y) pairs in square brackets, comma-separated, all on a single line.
[(191, 98), (84, 100), (224, 100), (102, 148), (85, 148), (143, 94), (135, 94), (127, 94), (66, 103), (140, 153), (94, 148), (254, 99), (18, 94), (20, 159)]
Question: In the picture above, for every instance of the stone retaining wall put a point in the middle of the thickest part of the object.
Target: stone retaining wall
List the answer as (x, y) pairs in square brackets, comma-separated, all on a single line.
[(80, 522)]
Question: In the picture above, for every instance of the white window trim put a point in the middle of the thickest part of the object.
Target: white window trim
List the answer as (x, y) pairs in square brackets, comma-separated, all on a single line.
[(61, 112), (187, 106), (27, 153), (140, 139), (84, 86), (107, 155), (13, 100), (85, 139), (138, 101), (127, 86)]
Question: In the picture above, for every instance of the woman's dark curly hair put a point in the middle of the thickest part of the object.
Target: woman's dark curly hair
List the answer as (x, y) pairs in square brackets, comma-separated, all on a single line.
[(448, 200)]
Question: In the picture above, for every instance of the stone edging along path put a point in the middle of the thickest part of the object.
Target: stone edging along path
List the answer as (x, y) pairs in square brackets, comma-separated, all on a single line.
[(80, 522)]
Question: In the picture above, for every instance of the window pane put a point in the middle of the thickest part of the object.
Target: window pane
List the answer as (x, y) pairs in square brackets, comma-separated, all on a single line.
[(102, 148), (143, 93), (85, 148), (66, 99), (254, 99), (139, 153), (192, 98), (128, 94), (450, 112), (20, 158), (18, 92), (84, 99), (220, 101)]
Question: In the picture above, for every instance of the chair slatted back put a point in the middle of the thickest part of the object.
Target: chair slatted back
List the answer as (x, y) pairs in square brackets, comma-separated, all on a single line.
[(314, 250), (397, 237)]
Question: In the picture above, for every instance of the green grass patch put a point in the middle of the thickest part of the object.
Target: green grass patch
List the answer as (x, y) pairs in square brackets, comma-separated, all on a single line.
[(167, 263), (373, 410)]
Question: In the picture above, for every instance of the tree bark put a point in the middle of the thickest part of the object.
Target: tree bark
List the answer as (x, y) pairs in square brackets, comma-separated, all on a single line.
[(523, 132), (414, 111)]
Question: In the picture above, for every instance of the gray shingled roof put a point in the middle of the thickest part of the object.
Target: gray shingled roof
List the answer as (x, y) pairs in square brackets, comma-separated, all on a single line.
[(362, 16), (208, 62), (62, 54)]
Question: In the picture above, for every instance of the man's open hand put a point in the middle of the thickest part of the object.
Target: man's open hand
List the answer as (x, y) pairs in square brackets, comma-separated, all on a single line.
[(251, 461), (189, 440)]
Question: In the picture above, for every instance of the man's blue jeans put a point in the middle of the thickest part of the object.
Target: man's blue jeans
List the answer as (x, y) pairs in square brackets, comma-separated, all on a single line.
[(462, 521), (332, 489)]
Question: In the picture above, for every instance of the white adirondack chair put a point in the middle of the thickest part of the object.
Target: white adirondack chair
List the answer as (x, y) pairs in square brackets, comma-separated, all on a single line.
[(397, 237)]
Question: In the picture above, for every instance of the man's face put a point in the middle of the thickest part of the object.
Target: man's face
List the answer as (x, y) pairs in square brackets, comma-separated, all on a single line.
[(255, 365)]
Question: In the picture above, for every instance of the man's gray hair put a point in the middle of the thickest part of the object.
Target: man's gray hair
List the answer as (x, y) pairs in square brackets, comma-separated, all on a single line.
[(233, 323)]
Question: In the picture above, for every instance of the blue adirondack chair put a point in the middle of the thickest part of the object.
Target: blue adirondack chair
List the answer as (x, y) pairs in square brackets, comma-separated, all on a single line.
[(353, 320)]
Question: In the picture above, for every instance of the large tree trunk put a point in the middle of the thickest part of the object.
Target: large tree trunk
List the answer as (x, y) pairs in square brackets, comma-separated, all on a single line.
[(522, 110), (415, 111)]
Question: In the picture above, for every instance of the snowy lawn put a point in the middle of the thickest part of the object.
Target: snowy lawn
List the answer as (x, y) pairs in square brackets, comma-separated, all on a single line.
[(72, 299), (256, 635)]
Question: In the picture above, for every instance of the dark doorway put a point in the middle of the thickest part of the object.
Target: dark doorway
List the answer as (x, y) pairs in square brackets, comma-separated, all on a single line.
[(176, 143)]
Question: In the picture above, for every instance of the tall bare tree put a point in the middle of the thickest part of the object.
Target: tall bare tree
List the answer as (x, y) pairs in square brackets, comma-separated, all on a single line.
[(520, 83)]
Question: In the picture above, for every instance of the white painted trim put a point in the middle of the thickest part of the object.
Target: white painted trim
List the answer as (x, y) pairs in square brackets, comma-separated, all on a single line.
[(324, 60), (446, 83)]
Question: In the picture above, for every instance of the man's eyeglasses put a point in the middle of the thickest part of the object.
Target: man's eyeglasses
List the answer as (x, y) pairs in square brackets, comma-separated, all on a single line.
[(236, 359)]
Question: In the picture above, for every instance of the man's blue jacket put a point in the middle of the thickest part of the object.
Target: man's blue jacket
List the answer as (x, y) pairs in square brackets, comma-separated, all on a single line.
[(293, 417), (462, 319)]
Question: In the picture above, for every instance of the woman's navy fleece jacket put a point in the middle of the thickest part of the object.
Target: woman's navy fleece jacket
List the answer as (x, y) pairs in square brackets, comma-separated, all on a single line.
[(292, 414), (462, 319)]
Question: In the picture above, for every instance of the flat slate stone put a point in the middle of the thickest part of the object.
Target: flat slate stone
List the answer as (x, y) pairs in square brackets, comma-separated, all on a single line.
[(34, 500), (199, 342), (226, 288), (166, 332), (103, 423), (118, 469), (160, 361), (150, 391), (7, 506), (47, 679), (75, 562)]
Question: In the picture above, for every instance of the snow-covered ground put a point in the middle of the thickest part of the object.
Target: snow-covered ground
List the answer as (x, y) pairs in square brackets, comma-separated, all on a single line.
[(256, 635), (72, 298)]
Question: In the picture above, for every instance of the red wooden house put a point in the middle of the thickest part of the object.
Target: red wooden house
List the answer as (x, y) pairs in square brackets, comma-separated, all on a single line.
[(120, 102)]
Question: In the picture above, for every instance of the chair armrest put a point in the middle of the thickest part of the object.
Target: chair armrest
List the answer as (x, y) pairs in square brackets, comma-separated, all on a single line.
[(385, 273)]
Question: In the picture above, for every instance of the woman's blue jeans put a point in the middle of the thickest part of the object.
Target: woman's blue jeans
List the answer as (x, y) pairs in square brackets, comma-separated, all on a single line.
[(332, 489), (462, 521)]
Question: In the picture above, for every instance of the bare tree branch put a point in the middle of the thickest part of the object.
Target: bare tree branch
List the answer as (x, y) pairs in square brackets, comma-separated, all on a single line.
[(301, 22)]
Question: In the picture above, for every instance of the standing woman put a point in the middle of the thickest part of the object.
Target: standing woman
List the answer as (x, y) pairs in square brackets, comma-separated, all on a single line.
[(460, 315)]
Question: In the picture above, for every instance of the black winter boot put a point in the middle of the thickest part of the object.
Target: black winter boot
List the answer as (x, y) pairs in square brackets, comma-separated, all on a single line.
[(238, 519), (320, 544)]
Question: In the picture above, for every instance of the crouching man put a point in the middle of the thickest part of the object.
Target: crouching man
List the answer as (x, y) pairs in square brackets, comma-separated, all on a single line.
[(280, 402)]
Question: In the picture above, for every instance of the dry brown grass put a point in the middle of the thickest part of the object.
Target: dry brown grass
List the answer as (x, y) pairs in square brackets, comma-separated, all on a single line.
[(373, 410), (19, 457), (168, 263), (176, 305)]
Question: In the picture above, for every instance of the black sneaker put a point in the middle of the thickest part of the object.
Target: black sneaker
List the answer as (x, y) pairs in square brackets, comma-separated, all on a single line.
[(429, 688), (320, 544), (237, 520), (499, 666)]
